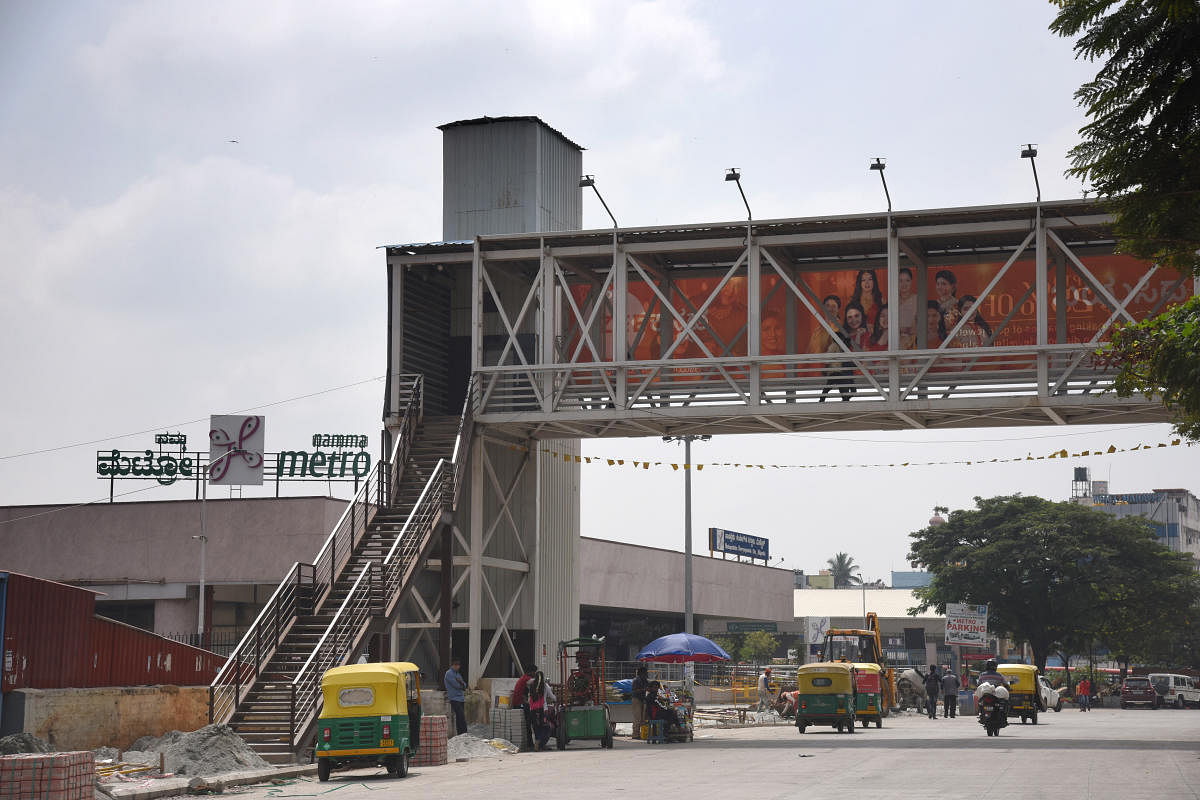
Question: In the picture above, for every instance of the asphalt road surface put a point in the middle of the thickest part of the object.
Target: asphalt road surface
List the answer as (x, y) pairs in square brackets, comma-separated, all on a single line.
[(1105, 753)]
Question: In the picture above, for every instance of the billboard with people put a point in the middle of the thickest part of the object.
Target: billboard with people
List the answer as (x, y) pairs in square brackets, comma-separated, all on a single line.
[(708, 316)]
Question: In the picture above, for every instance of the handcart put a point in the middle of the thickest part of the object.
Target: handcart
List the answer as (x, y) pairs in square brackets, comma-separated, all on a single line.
[(582, 710)]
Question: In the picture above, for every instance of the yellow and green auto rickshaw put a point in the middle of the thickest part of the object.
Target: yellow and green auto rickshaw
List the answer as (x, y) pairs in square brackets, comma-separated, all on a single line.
[(372, 715), (1022, 682), (868, 683), (825, 695)]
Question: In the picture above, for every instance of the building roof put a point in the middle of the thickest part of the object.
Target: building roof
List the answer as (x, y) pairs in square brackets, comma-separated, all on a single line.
[(887, 603), (489, 120)]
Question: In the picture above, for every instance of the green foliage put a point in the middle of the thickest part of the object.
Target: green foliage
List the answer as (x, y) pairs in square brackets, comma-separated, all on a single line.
[(1058, 574), (758, 647), (1161, 357), (1140, 149), (729, 644), (842, 568)]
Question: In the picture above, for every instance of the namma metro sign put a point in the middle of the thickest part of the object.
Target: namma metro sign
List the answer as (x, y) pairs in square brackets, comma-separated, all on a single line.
[(738, 544)]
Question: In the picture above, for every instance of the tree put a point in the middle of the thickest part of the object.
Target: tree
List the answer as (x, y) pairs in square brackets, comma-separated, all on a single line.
[(759, 646), (1055, 574), (1161, 357), (842, 568), (1141, 153), (727, 643)]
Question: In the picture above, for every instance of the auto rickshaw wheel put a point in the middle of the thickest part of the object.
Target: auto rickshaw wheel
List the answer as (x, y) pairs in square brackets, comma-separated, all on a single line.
[(323, 769), (878, 722), (1024, 719), (402, 765), (850, 726), (606, 741), (560, 735), (800, 726), (1033, 717), (839, 727), (866, 722)]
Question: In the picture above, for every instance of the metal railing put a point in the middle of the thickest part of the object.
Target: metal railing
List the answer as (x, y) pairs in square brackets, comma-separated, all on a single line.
[(307, 585), (334, 648), (380, 594), (743, 382), (292, 598)]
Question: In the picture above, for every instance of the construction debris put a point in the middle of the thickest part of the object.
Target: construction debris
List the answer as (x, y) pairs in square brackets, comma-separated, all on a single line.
[(210, 750), (22, 743)]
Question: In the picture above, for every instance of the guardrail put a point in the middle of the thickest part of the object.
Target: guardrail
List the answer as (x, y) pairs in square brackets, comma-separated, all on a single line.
[(307, 585)]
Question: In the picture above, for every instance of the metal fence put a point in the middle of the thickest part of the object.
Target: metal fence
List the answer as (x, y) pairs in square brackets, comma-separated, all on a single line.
[(220, 642)]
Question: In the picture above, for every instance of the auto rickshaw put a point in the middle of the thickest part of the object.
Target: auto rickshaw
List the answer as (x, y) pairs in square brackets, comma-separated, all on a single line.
[(868, 681), (825, 695), (1023, 698), (372, 716)]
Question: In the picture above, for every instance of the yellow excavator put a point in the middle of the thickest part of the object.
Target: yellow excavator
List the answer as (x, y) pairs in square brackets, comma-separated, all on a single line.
[(863, 647)]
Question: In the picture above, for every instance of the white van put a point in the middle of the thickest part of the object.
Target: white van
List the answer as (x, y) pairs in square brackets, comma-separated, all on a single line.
[(1176, 691)]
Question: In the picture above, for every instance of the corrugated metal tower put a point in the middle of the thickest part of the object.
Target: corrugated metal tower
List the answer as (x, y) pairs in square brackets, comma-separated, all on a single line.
[(515, 563)]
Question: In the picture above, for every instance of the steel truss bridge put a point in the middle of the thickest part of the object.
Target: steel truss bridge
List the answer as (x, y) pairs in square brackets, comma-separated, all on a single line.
[(693, 353)]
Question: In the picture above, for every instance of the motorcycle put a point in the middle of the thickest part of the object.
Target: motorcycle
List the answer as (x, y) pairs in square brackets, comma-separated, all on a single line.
[(993, 707)]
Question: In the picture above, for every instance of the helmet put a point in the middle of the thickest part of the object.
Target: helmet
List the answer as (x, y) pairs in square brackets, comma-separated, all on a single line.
[(990, 666)]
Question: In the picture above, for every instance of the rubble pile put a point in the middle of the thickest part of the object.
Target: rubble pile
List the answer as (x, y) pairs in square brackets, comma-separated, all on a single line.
[(210, 750), (22, 743), (466, 746)]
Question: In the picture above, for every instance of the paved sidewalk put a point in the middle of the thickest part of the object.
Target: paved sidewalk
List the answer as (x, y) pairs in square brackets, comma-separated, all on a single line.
[(148, 788)]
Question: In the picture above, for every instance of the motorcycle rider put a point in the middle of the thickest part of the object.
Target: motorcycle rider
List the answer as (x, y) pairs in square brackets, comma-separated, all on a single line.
[(991, 675)]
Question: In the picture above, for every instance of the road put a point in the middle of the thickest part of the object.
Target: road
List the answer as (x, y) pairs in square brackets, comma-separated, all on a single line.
[(1106, 753)]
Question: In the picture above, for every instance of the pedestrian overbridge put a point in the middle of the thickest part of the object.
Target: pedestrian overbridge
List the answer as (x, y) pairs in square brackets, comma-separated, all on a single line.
[(951, 318)]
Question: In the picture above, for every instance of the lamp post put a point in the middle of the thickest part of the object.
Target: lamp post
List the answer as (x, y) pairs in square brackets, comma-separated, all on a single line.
[(203, 560), (1030, 152), (879, 165), (203, 537), (687, 440)]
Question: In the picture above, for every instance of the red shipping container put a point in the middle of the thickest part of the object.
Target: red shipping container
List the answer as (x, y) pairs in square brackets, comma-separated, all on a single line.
[(54, 640)]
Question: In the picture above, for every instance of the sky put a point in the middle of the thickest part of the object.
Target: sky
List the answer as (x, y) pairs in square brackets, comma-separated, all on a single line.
[(192, 194)]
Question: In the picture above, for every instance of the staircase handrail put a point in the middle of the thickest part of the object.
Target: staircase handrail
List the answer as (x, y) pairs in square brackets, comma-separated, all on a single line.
[(402, 561), (226, 689), (334, 648), (254, 650), (462, 443), (413, 411)]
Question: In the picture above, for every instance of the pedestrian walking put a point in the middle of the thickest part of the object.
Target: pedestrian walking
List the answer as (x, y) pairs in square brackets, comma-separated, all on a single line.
[(764, 690), (933, 690), (641, 681), (950, 686), (456, 689)]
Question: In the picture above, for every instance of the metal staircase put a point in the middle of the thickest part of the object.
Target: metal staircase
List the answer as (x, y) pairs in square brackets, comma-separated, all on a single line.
[(320, 615)]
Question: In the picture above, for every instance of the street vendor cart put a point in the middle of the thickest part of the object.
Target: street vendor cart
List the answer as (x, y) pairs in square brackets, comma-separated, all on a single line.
[(582, 707)]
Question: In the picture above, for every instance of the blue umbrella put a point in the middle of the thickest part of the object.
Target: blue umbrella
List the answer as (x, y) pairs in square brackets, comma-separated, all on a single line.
[(681, 648)]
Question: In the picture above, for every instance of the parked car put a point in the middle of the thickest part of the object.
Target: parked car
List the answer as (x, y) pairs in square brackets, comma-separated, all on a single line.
[(1049, 695), (1137, 690), (1177, 691)]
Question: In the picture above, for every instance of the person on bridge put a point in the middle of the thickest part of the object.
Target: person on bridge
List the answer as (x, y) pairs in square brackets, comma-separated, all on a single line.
[(950, 686)]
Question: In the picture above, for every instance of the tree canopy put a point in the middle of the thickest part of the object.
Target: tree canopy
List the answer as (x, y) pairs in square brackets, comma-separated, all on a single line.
[(1057, 574), (1140, 151), (842, 568)]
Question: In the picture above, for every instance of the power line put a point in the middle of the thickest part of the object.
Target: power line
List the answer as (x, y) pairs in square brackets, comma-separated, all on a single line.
[(318, 393)]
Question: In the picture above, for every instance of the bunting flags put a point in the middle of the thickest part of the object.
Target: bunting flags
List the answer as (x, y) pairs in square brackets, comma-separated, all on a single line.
[(1056, 454)]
